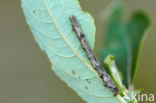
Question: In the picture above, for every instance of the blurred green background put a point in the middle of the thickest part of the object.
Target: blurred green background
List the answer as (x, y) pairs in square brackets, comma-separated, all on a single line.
[(25, 71)]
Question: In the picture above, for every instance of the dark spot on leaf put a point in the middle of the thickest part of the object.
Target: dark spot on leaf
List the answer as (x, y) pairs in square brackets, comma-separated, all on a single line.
[(86, 87), (73, 72), (79, 77), (34, 11), (88, 81)]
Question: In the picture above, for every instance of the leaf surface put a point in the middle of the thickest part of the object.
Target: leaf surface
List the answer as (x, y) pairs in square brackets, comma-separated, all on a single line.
[(50, 25), (136, 30)]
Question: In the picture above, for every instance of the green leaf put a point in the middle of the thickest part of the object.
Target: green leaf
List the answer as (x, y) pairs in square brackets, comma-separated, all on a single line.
[(123, 40), (135, 30), (50, 25), (110, 61)]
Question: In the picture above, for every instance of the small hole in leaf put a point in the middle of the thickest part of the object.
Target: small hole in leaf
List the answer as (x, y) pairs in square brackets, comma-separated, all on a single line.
[(86, 87), (73, 72)]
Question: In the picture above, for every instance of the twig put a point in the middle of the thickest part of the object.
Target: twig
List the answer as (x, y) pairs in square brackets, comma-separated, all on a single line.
[(94, 61)]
